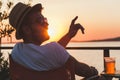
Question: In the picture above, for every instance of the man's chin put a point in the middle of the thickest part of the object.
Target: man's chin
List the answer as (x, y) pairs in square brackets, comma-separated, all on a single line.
[(48, 37)]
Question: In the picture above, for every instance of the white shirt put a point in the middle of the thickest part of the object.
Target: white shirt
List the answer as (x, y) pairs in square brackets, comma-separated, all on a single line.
[(41, 58)]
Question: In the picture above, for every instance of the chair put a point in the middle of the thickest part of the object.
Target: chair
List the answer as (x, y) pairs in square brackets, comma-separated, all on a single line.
[(19, 72)]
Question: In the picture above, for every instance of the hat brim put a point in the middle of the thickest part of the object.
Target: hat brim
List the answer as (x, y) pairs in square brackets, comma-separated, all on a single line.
[(37, 7)]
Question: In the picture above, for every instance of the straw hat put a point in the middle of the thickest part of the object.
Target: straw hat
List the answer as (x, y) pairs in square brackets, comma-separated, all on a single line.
[(18, 13)]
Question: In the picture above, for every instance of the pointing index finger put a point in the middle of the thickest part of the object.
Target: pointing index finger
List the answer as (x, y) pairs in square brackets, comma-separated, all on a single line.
[(73, 21)]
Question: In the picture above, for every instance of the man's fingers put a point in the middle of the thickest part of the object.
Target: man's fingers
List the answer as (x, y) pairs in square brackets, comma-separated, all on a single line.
[(73, 21), (79, 26)]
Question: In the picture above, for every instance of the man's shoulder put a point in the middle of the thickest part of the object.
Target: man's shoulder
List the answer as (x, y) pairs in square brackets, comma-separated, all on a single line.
[(54, 44)]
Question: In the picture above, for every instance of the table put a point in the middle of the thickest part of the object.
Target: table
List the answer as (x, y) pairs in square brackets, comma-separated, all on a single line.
[(110, 76)]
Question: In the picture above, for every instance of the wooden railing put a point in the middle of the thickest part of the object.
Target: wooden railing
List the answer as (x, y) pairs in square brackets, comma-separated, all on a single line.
[(106, 50)]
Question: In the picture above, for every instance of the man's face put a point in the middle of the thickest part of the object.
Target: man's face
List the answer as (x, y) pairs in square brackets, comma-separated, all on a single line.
[(39, 28)]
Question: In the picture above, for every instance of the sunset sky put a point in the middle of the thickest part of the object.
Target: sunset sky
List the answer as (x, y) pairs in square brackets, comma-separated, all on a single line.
[(101, 18)]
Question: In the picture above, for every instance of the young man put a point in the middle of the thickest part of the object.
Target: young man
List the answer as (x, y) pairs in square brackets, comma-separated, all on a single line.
[(32, 27)]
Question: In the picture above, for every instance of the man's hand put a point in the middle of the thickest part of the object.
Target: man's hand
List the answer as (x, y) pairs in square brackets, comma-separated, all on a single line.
[(75, 27), (72, 32)]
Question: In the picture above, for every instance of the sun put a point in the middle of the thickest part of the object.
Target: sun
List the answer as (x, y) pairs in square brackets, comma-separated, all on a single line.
[(51, 32), (56, 29), (55, 33)]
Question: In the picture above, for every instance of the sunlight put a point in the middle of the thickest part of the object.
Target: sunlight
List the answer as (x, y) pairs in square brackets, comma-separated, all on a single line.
[(96, 27), (55, 33), (56, 28), (51, 32)]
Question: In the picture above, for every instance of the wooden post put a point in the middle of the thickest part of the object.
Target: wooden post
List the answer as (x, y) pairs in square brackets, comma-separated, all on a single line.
[(106, 53)]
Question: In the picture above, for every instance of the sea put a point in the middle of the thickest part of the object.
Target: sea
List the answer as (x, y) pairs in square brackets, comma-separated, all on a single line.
[(91, 57)]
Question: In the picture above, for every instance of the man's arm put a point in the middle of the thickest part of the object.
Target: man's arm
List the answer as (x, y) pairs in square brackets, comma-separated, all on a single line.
[(72, 32), (64, 40)]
